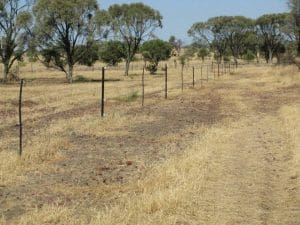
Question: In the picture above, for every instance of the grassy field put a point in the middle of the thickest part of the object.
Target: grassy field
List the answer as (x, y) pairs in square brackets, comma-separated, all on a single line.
[(224, 153)]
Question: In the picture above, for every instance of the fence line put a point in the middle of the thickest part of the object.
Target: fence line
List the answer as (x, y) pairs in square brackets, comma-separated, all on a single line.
[(195, 72)]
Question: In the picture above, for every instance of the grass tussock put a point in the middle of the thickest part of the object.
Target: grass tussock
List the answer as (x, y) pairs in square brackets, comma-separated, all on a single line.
[(131, 97), (81, 79), (43, 148)]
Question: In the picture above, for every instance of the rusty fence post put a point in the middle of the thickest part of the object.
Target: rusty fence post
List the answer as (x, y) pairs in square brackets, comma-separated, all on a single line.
[(207, 74), (201, 76), (182, 81), (143, 87), (102, 90), (20, 119), (193, 77), (166, 81), (214, 73)]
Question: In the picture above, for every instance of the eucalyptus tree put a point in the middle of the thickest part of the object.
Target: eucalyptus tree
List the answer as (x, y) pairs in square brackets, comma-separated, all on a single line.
[(237, 29), (176, 44), (131, 24), (253, 43), (15, 24), (211, 33), (202, 53), (155, 51), (64, 32), (292, 27), (269, 27), (112, 52)]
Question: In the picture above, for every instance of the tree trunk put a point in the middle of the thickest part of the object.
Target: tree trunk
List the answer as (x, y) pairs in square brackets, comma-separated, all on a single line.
[(278, 57), (70, 74), (270, 56), (182, 81), (236, 62), (5, 72), (257, 57), (127, 67)]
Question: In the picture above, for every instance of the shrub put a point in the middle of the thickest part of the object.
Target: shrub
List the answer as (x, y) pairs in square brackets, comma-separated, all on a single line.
[(155, 51), (129, 98), (249, 56), (152, 68), (81, 79), (112, 52)]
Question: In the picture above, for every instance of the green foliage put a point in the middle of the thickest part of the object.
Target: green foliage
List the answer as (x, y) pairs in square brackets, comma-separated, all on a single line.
[(237, 29), (52, 57), (239, 34), (60, 26), (292, 27), (112, 52), (202, 53), (23, 19), (89, 54), (269, 28), (182, 60), (81, 79), (211, 33), (176, 44), (133, 96), (15, 24), (32, 56), (190, 52), (152, 68), (271, 22), (133, 23), (155, 51), (226, 58), (252, 42), (249, 56), (223, 33)]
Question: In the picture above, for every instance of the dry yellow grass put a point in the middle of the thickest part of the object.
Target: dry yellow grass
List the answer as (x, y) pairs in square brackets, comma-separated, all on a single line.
[(241, 169)]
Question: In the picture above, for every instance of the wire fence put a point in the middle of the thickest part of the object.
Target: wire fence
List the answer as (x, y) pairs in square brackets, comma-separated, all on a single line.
[(191, 76)]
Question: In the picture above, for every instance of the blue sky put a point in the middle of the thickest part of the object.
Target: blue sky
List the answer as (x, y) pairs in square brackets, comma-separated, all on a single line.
[(179, 15)]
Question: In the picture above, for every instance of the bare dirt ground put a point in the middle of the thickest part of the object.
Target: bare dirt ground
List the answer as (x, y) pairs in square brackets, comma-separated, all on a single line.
[(254, 180)]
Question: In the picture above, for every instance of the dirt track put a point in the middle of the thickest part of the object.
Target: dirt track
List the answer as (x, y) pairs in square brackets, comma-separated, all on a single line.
[(253, 183)]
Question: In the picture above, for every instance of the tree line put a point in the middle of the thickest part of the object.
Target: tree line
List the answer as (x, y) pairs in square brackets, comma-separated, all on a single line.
[(270, 36), (63, 33)]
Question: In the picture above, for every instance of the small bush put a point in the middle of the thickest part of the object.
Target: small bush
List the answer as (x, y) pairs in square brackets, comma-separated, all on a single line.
[(249, 56), (129, 98), (81, 79), (152, 68), (226, 58)]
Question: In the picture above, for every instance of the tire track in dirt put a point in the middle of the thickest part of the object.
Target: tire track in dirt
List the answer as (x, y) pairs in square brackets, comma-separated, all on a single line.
[(251, 181)]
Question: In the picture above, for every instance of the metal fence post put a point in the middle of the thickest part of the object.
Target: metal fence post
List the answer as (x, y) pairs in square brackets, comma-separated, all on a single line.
[(143, 87), (194, 76), (166, 81), (102, 96), (20, 118)]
